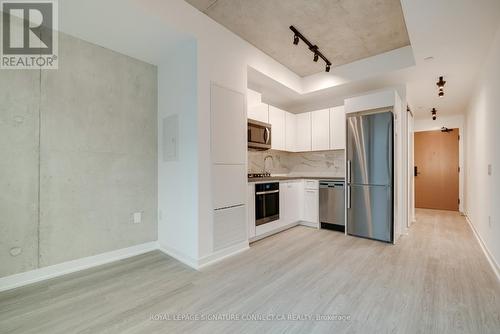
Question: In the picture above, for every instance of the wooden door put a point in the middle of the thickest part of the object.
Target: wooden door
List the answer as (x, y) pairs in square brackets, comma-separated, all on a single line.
[(436, 163)]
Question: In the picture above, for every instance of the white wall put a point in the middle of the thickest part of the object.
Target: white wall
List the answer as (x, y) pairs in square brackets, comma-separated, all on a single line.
[(225, 66), (177, 180), (450, 122), (482, 149)]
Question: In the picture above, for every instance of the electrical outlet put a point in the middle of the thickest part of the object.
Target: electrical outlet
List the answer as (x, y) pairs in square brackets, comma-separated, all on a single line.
[(137, 217)]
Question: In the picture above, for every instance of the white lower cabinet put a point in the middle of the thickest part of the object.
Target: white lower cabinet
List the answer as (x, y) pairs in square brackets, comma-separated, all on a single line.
[(291, 192), (292, 199), (310, 214)]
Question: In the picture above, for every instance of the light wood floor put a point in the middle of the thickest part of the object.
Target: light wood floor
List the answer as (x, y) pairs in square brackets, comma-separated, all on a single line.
[(436, 280)]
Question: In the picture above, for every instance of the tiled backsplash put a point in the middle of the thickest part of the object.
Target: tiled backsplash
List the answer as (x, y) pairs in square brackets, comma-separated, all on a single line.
[(322, 163)]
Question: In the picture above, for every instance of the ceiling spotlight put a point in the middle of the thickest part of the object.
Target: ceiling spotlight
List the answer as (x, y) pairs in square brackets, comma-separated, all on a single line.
[(295, 39), (440, 85), (315, 57), (327, 68), (434, 114)]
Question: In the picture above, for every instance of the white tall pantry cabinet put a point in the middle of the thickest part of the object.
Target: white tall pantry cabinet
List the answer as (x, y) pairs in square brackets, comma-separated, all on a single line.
[(229, 154)]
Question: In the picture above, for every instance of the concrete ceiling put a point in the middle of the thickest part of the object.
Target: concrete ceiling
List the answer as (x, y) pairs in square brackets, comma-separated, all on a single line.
[(344, 30), (453, 42)]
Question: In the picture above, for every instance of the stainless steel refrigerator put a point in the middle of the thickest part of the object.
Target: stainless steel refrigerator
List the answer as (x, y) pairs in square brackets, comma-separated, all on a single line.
[(370, 177)]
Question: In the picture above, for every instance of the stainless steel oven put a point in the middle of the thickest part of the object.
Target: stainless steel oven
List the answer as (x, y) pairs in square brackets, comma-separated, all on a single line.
[(259, 135), (267, 202)]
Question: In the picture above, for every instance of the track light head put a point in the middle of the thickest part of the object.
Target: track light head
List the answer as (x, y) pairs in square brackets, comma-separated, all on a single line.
[(327, 68), (441, 82), (434, 114), (295, 39), (315, 57), (440, 85)]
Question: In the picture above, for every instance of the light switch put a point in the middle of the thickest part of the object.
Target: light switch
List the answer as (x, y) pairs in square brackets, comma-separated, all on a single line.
[(489, 169), (137, 217)]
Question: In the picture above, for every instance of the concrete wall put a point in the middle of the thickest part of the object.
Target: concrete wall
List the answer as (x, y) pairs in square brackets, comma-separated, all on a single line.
[(79, 152), (482, 188), (19, 149)]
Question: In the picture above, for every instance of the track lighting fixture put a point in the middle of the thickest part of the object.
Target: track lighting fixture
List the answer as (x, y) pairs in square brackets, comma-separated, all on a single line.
[(314, 48), (440, 85), (434, 114)]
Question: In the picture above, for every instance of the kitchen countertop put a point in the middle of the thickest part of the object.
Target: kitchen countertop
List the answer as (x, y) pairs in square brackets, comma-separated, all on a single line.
[(285, 178)]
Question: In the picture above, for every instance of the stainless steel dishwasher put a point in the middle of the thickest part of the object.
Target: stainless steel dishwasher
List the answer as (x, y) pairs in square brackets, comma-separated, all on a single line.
[(332, 205)]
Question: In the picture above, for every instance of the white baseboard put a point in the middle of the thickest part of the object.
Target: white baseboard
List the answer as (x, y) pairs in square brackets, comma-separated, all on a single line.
[(309, 224), (207, 260), (494, 265), (223, 254), (277, 230), (187, 260), (41, 274)]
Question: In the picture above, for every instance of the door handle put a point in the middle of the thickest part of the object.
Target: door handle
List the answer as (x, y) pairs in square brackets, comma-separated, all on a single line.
[(415, 171), (348, 197), (267, 192), (266, 135), (349, 171)]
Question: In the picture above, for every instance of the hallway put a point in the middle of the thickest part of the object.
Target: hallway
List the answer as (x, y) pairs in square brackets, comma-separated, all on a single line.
[(435, 280)]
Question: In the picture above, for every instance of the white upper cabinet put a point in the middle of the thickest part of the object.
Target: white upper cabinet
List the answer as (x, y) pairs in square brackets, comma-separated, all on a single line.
[(259, 113), (320, 126), (303, 137), (337, 128), (253, 98), (290, 132), (256, 110), (228, 126), (277, 121)]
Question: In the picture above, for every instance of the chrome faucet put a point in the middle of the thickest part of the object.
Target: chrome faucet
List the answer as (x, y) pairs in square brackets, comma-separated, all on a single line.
[(265, 159)]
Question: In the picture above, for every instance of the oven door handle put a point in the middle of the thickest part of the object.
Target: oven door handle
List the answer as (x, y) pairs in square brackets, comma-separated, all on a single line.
[(267, 192)]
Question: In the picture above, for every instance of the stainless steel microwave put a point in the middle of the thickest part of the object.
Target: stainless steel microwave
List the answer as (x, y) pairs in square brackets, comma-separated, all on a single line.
[(259, 135)]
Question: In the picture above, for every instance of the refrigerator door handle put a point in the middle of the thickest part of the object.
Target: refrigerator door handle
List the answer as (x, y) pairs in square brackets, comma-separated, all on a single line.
[(348, 193), (348, 171)]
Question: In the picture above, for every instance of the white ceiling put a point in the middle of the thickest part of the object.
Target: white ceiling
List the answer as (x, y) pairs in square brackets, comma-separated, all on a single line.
[(344, 30), (456, 34)]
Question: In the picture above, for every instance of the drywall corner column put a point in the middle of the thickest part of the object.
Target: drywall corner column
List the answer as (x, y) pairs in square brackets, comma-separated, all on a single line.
[(178, 152)]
